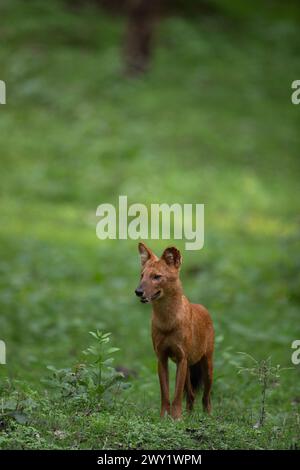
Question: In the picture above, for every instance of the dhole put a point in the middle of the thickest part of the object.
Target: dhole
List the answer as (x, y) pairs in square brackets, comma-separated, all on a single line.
[(181, 331)]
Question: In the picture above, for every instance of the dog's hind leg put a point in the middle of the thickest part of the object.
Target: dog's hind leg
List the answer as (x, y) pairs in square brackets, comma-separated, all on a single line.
[(189, 392), (207, 375)]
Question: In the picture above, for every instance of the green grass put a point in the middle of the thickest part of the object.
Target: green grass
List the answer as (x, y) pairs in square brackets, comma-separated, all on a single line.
[(211, 123)]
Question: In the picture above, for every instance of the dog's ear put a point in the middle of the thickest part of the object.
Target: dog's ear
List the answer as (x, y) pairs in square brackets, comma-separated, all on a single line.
[(172, 257), (145, 253)]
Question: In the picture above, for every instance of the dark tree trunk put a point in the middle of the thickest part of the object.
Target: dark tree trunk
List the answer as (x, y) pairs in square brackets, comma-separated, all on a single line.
[(139, 36)]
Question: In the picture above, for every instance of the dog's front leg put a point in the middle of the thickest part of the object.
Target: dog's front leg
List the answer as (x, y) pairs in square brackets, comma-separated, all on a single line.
[(163, 373), (179, 387)]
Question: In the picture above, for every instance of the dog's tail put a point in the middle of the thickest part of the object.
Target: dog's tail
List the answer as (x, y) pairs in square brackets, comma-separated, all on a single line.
[(196, 376)]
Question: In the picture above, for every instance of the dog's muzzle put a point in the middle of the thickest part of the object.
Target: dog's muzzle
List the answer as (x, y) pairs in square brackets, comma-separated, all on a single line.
[(139, 292)]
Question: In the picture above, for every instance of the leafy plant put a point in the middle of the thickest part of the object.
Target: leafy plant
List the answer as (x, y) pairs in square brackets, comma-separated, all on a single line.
[(268, 377), (101, 375), (93, 379)]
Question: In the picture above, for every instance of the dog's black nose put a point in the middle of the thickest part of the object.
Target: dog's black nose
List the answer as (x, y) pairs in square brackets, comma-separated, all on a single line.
[(138, 292)]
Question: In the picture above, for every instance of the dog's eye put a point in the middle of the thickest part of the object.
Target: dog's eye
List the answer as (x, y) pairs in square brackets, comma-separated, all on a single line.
[(157, 277)]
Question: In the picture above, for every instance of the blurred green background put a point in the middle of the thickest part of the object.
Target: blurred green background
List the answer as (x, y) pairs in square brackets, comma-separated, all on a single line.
[(210, 122)]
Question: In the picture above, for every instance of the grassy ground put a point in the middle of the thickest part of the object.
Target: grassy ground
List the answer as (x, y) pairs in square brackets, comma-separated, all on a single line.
[(211, 123)]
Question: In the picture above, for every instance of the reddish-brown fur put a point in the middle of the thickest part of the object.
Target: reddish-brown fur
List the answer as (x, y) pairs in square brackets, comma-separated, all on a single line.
[(181, 331)]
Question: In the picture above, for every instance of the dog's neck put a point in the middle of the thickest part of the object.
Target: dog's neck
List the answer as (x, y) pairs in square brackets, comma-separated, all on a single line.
[(167, 309)]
